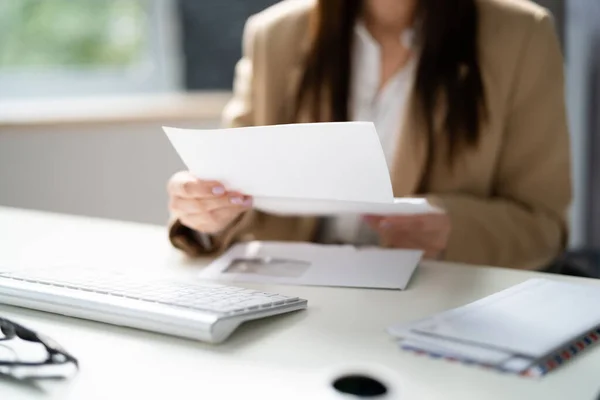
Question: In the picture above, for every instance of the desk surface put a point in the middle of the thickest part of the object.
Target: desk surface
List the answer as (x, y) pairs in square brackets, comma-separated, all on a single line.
[(341, 328)]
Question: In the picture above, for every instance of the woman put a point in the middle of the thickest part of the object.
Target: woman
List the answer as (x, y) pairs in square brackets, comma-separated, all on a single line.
[(467, 96)]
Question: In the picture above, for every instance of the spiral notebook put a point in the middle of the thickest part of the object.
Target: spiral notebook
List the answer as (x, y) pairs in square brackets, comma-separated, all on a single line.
[(529, 329)]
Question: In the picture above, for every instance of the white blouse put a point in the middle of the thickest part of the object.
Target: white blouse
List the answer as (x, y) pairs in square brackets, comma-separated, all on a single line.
[(385, 108)]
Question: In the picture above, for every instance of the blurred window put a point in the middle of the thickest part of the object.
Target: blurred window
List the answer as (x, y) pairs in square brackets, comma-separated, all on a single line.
[(83, 47), (59, 33)]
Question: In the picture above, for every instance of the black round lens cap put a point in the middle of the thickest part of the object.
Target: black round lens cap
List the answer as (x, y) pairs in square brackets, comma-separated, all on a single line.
[(360, 386)]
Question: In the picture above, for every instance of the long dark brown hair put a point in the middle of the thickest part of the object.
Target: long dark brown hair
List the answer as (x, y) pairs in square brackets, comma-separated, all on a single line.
[(448, 67)]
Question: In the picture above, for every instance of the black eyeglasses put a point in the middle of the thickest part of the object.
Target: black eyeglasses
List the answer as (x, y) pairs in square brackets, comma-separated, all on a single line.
[(45, 369)]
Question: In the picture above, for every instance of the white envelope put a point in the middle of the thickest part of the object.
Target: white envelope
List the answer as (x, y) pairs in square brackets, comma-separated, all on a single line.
[(531, 319), (458, 350), (298, 169), (315, 265)]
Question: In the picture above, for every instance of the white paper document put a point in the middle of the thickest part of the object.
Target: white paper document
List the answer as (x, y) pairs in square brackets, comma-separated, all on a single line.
[(298, 169), (314, 265)]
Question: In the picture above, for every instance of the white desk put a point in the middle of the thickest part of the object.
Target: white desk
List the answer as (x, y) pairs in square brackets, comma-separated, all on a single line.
[(341, 327)]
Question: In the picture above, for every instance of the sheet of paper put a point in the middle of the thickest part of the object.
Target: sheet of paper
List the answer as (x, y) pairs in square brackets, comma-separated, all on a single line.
[(326, 161), (314, 264), (399, 206), (298, 169)]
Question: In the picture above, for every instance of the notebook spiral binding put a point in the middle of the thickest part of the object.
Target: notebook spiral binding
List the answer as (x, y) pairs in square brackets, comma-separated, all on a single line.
[(549, 364)]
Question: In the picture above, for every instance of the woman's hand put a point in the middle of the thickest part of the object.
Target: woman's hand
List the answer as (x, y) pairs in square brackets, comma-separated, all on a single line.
[(428, 232), (205, 206)]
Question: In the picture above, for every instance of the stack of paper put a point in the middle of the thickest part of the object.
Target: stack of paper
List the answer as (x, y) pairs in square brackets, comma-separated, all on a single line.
[(528, 329), (299, 169)]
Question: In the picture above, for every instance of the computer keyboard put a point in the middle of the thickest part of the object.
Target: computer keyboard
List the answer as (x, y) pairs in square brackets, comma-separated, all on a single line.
[(195, 310)]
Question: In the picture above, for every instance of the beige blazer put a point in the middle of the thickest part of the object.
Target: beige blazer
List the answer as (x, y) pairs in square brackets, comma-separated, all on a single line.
[(507, 199)]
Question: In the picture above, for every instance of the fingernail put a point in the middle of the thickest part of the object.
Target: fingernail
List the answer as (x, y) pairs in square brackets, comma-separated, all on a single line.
[(218, 190), (247, 202), (237, 201)]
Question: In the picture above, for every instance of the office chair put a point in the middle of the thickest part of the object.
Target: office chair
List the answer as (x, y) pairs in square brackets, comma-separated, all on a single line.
[(583, 262)]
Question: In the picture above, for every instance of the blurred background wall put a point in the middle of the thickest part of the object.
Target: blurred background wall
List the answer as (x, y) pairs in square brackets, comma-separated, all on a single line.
[(86, 85)]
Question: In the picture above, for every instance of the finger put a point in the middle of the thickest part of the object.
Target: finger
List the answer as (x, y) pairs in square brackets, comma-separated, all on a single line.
[(211, 222), (400, 223), (425, 222), (184, 184), (238, 199), (185, 205), (430, 243), (230, 201), (194, 206), (193, 213)]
